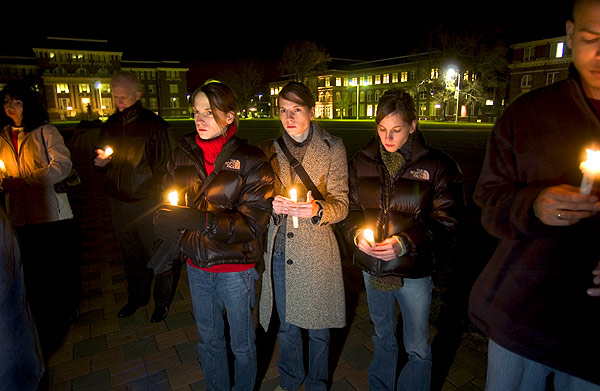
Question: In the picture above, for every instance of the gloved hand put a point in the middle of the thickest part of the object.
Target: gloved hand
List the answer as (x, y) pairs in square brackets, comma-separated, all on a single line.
[(166, 233), (180, 217)]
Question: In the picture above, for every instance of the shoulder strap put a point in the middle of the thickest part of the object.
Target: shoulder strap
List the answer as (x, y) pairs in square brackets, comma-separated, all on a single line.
[(302, 174)]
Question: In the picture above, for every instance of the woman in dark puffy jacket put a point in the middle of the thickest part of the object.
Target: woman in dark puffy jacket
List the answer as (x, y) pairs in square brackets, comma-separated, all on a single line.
[(226, 187), (409, 194)]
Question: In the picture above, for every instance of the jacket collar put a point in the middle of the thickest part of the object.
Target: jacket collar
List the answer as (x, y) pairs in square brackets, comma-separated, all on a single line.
[(131, 113)]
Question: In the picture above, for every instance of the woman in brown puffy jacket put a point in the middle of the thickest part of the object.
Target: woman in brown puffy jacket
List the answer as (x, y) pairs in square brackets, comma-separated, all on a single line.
[(226, 191), (409, 195)]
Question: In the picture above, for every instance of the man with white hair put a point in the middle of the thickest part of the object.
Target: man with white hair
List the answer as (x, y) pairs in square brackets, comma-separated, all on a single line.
[(141, 148)]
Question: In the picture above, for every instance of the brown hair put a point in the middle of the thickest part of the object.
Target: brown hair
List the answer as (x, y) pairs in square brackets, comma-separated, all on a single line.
[(298, 93), (221, 99), (396, 101)]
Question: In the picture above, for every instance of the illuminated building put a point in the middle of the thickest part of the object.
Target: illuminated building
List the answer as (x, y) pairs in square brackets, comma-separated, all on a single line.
[(351, 90), (536, 64), (73, 75)]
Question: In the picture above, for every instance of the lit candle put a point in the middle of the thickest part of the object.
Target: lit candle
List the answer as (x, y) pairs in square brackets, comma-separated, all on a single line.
[(294, 198), (2, 169), (590, 168), (108, 151), (368, 234), (173, 198)]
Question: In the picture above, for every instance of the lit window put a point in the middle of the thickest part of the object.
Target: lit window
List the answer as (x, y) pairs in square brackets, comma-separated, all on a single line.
[(346, 82), (272, 91), (62, 88), (338, 81), (386, 78), (557, 50), (394, 77), (84, 88), (327, 82), (370, 110), (404, 77), (377, 79), (434, 73), (489, 102)]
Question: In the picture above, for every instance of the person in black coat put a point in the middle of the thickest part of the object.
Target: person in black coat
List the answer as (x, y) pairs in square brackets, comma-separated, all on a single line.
[(410, 195)]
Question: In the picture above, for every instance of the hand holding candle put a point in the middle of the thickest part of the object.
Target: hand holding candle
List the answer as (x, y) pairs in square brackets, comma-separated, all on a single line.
[(103, 156), (368, 235), (590, 169)]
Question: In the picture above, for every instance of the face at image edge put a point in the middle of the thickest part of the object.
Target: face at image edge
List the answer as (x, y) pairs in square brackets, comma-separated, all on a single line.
[(393, 131), (295, 118), (14, 109), (207, 121), (583, 36)]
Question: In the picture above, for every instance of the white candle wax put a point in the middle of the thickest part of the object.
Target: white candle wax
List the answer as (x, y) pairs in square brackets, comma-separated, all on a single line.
[(294, 198), (368, 234), (590, 169)]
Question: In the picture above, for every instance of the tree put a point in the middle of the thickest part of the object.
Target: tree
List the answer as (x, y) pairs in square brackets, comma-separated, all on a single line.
[(479, 57), (343, 101), (244, 77), (301, 58)]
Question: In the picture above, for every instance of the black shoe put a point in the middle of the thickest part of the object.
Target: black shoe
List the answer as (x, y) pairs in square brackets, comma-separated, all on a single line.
[(159, 314), (127, 310)]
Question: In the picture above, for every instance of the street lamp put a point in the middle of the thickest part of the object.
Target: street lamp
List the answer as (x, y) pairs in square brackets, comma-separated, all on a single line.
[(450, 75), (99, 87)]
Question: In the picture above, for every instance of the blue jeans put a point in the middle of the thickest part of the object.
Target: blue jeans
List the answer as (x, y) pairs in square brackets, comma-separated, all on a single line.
[(508, 371), (414, 299), (291, 364), (234, 292)]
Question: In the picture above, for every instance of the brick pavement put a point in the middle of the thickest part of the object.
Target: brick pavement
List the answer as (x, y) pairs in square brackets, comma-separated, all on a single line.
[(103, 352)]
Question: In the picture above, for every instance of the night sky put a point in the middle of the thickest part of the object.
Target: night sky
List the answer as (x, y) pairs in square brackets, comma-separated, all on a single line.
[(372, 30)]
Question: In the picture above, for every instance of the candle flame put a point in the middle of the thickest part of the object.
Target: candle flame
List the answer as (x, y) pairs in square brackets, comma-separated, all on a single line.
[(368, 234), (173, 198), (108, 151), (2, 166), (592, 164)]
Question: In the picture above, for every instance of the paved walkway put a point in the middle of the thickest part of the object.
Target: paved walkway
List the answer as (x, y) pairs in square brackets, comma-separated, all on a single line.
[(103, 352)]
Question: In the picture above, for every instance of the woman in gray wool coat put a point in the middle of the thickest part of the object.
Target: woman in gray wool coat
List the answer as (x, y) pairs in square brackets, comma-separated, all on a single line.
[(303, 273)]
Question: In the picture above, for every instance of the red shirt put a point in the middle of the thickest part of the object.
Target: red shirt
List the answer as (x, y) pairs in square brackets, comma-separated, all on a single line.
[(210, 150)]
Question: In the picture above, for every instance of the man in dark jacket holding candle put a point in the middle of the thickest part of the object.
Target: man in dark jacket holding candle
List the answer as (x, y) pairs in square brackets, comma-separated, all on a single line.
[(536, 297), (134, 171)]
